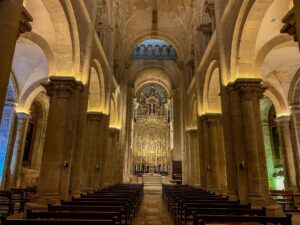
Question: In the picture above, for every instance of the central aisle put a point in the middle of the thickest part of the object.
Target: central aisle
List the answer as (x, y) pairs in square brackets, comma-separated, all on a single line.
[(153, 211)]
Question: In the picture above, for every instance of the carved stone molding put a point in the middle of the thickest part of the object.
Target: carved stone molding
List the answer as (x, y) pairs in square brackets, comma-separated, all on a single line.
[(209, 8), (98, 116), (290, 24), (26, 18), (62, 87), (283, 121), (23, 118), (205, 29), (212, 118), (248, 88), (193, 132)]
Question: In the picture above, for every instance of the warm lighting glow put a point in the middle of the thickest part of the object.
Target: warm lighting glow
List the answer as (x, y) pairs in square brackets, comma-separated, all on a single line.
[(118, 127), (283, 114), (291, 4), (22, 110)]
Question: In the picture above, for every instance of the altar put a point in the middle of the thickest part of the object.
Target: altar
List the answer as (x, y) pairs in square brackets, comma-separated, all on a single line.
[(144, 169)]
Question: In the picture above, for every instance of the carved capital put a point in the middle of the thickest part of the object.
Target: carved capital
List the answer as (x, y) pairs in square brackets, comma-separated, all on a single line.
[(26, 18), (62, 87), (193, 132), (290, 24), (283, 121), (94, 116), (248, 89), (205, 29), (210, 9), (113, 132), (213, 118), (23, 118)]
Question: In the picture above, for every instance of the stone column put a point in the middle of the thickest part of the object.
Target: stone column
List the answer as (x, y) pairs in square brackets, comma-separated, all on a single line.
[(295, 134), (215, 152), (13, 21), (287, 150), (189, 162), (92, 147), (18, 149), (195, 157), (111, 157), (202, 148), (79, 108), (269, 152), (229, 145), (61, 130), (247, 140)]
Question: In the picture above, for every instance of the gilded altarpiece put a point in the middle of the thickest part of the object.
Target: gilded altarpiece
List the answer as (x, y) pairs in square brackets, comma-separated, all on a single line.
[(151, 133)]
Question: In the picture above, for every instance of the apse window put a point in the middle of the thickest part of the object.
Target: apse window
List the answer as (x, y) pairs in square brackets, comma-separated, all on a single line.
[(154, 49)]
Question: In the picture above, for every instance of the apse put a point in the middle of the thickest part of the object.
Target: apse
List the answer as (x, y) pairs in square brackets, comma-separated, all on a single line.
[(151, 130)]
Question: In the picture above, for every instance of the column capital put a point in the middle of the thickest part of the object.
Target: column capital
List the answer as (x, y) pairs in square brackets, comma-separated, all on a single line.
[(248, 88), (283, 121), (98, 116), (192, 132), (62, 87), (210, 8), (113, 131), (26, 18), (213, 118), (23, 116), (290, 24)]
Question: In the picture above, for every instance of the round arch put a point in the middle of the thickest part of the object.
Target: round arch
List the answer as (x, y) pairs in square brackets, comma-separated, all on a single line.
[(245, 36), (98, 77), (43, 44), (211, 100)]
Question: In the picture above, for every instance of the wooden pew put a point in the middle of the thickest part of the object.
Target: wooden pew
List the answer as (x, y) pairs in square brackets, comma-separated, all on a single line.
[(206, 219), (6, 204), (84, 208), (188, 212), (188, 204), (5, 221), (286, 199), (81, 215)]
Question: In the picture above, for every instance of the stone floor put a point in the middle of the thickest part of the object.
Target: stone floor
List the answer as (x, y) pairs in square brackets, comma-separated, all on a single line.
[(153, 211)]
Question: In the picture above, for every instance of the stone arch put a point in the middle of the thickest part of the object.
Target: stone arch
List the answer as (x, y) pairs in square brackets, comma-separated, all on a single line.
[(97, 81), (46, 48), (245, 36), (269, 46), (192, 119), (211, 92), (30, 66), (278, 100), (35, 137), (266, 107), (28, 98), (64, 35), (153, 75), (94, 102), (113, 112), (294, 91)]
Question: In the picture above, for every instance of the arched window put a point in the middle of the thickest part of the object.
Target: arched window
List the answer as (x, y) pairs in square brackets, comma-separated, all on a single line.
[(154, 49), (275, 162)]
